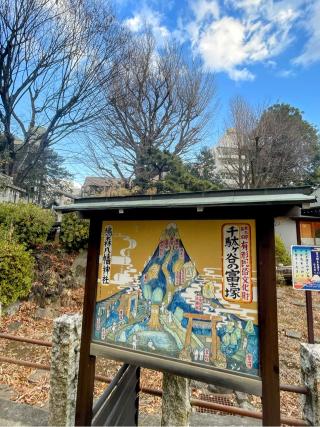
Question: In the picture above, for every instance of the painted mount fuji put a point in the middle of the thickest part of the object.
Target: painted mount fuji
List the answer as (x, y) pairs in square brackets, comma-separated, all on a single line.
[(174, 311)]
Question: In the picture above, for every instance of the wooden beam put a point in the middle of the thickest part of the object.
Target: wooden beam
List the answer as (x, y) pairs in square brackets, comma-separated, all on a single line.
[(87, 362), (268, 325)]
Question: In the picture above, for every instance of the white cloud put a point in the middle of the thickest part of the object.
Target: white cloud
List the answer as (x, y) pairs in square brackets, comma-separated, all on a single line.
[(238, 33), (271, 64), (243, 74), (205, 9), (248, 6), (150, 18), (134, 24), (220, 45), (286, 73), (311, 52)]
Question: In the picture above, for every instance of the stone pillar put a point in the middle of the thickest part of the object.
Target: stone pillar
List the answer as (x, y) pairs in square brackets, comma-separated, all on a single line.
[(64, 369), (176, 406), (58, 229), (310, 372)]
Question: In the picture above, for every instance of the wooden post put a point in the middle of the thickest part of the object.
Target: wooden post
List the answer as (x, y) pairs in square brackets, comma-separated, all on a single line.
[(268, 322), (309, 308), (87, 362)]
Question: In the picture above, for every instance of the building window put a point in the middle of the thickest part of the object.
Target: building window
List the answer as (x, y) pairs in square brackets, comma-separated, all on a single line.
[(310, 232)]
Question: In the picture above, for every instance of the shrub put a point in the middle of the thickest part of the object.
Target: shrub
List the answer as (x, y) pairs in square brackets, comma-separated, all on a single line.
[(31, 224), (282, 255), (74, 232), (16, 271)]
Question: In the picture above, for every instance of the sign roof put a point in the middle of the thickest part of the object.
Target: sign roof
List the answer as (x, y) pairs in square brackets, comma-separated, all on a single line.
[(269, 196)]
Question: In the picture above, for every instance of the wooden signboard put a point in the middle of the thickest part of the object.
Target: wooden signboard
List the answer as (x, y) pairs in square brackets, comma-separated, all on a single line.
[(185, 284), (238, 331)]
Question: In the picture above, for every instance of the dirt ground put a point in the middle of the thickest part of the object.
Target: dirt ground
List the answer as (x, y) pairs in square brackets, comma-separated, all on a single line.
[(31, 386)]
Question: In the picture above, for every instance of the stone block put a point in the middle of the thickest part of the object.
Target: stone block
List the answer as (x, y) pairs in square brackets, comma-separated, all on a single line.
[(299, 303), (294, 334), (64, 370), (14, 326), (12, 309), (45, 313), (79, 267), (176, 408), (37, 376), (219, 390), (310, 372)]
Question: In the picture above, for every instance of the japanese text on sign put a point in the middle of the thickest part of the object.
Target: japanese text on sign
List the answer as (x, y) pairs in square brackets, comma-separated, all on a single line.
[(237, 284), (306, 267), (107, 256)]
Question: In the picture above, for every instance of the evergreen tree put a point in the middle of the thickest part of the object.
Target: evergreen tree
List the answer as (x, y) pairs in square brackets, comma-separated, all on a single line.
[(48, 178), (166, 173), (204, 167)]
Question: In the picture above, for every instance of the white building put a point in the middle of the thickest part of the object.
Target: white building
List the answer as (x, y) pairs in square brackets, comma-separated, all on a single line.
[(309, 220), (10, 192), (231, 162)]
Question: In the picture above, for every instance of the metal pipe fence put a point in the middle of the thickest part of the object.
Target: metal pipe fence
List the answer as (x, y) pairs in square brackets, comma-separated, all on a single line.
[(157, 392), (26, 340)]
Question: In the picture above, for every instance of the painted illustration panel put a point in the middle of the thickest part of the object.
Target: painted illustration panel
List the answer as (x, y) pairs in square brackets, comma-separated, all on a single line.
[(183, 289), (305, 267)]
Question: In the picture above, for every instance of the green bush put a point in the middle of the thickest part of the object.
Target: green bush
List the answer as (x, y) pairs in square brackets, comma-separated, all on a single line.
[(30, 223), (282, 255), (74, 232), (16, 271)]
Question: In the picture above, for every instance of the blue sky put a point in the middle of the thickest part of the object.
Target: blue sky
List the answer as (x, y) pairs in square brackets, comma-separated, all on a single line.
[(266, 50)]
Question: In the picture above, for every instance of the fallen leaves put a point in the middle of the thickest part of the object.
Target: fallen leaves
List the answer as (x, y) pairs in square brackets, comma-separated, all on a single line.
[(291, 316)]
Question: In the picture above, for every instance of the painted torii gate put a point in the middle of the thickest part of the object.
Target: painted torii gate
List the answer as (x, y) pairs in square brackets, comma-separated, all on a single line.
[(206, 317)]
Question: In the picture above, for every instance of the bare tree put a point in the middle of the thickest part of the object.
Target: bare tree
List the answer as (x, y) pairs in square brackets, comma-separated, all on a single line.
[(266, 147), (232, 152), (156, 101), (54, 57)]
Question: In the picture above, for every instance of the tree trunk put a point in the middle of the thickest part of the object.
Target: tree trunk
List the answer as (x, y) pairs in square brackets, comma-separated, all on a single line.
[(10, 164)]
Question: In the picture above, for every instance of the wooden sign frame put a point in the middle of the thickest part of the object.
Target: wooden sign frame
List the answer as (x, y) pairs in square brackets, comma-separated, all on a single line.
[(250, 381), (267, 301)]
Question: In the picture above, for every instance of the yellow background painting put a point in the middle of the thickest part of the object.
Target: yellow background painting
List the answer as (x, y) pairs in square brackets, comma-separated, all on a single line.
[(202, 241)]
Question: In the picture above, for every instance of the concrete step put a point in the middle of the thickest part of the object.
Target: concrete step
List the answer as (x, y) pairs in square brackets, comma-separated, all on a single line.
[(198, 419), (20, 414)]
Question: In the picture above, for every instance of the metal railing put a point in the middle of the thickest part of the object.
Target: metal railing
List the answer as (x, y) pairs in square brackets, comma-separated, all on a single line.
[(299, 389)]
